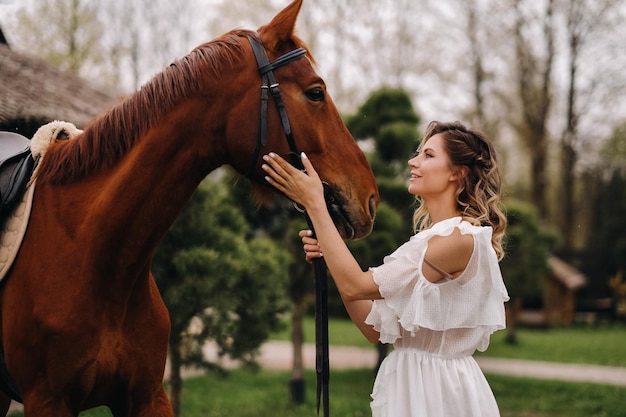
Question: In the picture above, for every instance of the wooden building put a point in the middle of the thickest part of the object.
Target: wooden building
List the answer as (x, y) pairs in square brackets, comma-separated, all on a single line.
[(33, 93), (560, 294), (559, 297)]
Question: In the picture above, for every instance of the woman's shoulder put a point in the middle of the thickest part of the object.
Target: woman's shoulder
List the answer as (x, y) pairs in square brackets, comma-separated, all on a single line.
[(448, 226)]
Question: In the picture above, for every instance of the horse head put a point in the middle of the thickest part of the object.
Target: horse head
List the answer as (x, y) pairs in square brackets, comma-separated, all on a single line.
[(316, 127)]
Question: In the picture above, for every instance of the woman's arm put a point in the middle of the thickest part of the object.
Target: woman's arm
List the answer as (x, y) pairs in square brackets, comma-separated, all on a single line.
[(358, 310)]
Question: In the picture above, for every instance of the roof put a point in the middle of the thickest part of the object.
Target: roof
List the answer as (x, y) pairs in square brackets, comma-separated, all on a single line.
[(31, 89), (566, 274)]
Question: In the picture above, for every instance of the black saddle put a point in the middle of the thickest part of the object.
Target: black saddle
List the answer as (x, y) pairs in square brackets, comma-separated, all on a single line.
[(16, 167)]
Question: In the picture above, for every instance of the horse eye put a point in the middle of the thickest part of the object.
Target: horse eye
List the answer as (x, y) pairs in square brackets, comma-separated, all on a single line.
[(315, 94)]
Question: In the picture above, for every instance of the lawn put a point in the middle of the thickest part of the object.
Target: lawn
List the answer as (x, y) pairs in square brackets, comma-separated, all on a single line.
[(596, 346), (244, 394), (264, 394)]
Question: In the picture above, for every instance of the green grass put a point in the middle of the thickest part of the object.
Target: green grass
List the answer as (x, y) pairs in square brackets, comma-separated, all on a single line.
[(264, 394), (595, 346), (524, 397), (340, 332)]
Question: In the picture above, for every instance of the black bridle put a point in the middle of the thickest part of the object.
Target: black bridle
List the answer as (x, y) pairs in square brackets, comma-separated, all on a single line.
[(269, 83)]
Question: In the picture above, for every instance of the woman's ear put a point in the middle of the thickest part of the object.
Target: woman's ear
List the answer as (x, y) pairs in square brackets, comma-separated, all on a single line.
[(459, 172)]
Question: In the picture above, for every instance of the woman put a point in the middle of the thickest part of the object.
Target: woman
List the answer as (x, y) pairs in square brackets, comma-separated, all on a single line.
[(440, 295)]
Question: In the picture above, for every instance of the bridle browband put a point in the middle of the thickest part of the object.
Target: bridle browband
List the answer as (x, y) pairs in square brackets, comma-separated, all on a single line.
[(266, 69)]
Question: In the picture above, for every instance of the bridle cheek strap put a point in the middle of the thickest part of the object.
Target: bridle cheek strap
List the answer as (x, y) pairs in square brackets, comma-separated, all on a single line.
[(266, 70), (269, 83)]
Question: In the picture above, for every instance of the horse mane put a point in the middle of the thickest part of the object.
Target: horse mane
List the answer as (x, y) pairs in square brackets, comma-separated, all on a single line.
[(111, 135)]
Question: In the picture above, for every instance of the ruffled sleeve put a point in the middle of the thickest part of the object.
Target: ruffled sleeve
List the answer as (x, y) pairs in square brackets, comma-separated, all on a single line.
[(410, 301)]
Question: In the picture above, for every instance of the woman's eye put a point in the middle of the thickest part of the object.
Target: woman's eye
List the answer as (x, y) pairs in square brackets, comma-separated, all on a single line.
[(315, 94)]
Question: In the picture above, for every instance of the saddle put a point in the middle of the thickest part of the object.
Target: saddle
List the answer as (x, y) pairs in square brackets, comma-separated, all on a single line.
[(19, 157), (16, 168)]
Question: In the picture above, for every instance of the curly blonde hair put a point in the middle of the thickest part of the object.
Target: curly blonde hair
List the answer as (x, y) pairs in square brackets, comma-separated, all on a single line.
[(478, 193)]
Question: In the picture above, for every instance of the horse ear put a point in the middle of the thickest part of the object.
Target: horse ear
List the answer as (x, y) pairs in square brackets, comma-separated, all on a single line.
[(281, 28)]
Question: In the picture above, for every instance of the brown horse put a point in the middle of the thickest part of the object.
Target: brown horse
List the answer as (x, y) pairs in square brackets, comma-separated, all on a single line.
[(83, 323)]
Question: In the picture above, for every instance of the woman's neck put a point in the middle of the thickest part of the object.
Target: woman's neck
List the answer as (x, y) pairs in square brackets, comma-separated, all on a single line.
[(439, 210)]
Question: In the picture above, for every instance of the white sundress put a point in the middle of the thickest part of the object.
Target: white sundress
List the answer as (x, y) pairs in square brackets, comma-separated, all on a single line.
[(435, 329)]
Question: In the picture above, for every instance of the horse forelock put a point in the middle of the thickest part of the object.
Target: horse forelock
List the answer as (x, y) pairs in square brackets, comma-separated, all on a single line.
[(107, 138)]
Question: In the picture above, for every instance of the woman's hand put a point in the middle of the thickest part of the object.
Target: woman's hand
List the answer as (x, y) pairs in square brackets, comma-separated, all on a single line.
[(305, 188), (310, 245)]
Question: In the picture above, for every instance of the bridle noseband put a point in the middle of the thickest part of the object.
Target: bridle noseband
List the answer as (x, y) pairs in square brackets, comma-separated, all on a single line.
[(266, 68)]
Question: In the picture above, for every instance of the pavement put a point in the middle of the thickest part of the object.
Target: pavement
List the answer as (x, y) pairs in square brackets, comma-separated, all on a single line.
[(278, 355)]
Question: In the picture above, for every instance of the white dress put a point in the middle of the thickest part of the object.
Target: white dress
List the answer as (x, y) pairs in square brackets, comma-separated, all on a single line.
[(435, 329)]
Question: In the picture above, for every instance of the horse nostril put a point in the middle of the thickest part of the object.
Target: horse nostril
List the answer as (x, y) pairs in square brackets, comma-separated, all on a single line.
[(372, 207)]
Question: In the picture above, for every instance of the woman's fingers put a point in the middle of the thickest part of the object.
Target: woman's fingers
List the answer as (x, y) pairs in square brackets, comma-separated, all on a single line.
[(310, 245), (302, 187), (308, 166)]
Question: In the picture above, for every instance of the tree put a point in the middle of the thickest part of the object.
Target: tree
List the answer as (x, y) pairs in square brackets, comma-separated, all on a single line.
[(527, 249), (534, 75), (388, 118), (606, 248), (279, 220), (64, 33), (207, 268), (584, 17)]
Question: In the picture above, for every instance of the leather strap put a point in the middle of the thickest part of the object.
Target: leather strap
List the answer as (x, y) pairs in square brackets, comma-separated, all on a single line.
[(322, 366), (269, 83)]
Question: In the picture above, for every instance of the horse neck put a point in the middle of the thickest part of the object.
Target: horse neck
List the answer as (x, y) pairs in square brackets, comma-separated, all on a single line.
[(133, 204)]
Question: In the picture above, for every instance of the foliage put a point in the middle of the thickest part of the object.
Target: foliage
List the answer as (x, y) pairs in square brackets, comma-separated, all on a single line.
[(610, 227), (396, 140), (618, 288), (606, 248), (383, 106), (207, 268), (527, 247), (387, 116), (389, 232)]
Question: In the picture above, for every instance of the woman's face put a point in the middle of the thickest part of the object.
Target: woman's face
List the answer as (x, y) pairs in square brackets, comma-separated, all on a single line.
[(431, 172)]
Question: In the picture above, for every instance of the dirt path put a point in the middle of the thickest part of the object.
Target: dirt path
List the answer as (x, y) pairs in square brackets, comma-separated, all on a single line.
[(279, 355)]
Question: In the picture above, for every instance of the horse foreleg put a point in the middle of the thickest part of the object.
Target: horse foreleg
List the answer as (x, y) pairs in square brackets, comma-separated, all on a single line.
[(160, 407), (143, 404)]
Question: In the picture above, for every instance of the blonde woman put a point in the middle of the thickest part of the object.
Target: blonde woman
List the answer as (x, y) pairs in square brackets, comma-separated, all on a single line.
[(439, 296)]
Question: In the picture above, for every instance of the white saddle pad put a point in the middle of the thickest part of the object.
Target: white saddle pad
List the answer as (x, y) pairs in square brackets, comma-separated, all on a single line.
[(13, 232)]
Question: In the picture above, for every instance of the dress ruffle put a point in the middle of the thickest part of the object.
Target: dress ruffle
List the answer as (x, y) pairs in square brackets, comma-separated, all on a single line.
[(410, 302)]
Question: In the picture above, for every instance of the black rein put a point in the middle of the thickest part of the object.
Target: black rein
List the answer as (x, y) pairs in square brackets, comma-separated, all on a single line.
[(266, 68)]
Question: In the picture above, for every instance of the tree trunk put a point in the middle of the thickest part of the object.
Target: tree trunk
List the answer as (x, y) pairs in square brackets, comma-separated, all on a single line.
[(297, 386), (534, 83), (513, 310), (175, 380)]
